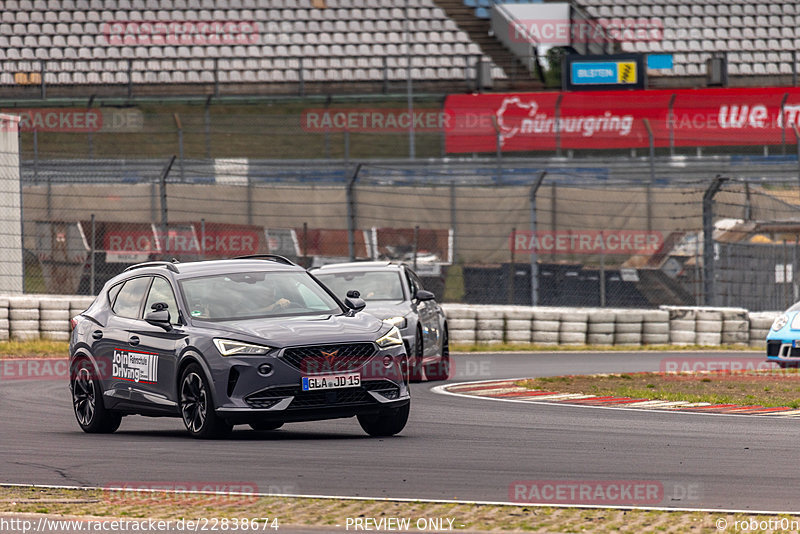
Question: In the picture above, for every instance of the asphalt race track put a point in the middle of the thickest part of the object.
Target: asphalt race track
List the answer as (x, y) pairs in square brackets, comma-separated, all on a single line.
[(452, 448)]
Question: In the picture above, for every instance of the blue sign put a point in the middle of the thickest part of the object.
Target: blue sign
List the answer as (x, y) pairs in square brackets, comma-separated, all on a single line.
[(659, 61), (593, 73)]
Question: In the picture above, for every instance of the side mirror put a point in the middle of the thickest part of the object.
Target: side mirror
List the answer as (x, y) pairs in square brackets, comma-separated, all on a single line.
[(423, 295), (355, 303), (354, 294), (159, 318)]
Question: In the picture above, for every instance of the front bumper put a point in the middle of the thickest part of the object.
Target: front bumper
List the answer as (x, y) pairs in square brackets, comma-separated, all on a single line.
[(243, 394), (780, 350)]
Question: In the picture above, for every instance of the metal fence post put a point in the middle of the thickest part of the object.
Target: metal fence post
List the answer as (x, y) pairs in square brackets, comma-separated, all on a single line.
[(42, 72), (671, 115), (130, 78), (164, 218), (649, 200), (534, 259), (416, 245), (180, 144), (203, 238), (351, 213), (93, 261), (300, 77), (207, 125), (708, 239), (511, 266), (782, 122), (216, 76), (557, 124)]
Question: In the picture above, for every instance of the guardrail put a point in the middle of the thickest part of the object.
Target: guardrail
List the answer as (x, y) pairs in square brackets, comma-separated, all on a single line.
[(31, 317)]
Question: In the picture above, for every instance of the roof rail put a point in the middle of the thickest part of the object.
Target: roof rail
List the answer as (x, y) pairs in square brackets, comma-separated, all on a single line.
[(168, 264), (273, 257)]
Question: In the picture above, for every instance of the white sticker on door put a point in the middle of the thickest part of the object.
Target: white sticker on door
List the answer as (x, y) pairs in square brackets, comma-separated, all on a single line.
[(135, 366)]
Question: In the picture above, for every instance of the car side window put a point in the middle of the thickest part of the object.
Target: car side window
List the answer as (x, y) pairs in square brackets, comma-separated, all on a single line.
[(417, 280), (129, 299), (412, 286), (161, 291), (113, 292)]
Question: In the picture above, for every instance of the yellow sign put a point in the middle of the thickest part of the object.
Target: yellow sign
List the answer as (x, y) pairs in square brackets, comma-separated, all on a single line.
[(626, 72)]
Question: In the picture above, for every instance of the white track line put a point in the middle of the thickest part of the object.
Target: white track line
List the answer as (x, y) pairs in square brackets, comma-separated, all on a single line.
[(442, 390), (407, 500)]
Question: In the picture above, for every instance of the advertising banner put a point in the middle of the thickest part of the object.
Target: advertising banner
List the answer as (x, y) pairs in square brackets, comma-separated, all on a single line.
[(615, 119)]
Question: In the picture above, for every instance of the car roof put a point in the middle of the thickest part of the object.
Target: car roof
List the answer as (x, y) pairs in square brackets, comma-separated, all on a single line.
[(217, 266), (358, 266)]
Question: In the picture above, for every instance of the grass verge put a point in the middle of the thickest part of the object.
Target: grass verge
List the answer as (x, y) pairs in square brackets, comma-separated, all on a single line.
[(328, 513), (779, 387)]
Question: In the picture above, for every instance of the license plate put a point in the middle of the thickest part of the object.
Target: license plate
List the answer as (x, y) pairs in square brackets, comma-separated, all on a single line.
[(795, 343), (348, 380)]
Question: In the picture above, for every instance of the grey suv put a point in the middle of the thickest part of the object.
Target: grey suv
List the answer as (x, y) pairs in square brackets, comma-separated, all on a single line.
[(394, 293), (254, 341)]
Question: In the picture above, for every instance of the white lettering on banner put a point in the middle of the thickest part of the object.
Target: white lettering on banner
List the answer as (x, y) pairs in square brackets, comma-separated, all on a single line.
[(587, 242), (533, 122)]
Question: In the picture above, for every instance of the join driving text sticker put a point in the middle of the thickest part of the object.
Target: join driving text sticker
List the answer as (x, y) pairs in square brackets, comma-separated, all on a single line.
[(135, 366)]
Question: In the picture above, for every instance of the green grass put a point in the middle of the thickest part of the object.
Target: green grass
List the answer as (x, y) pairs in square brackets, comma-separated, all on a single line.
[(254, 130), (780, 387), (321, 513)]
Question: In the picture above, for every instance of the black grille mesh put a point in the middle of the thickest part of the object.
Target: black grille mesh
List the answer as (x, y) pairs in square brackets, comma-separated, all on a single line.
[(320, 359)]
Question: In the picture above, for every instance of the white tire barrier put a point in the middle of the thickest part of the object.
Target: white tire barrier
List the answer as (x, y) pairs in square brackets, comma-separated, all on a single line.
[(600, 339), (47, 316)]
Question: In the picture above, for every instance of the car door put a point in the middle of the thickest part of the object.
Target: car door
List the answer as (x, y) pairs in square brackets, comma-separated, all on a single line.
[(142, 357), (426, 311), (159, 342)]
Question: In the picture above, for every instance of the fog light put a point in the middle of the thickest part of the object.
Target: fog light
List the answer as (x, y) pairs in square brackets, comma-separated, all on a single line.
[(388, 361), (264, 369)]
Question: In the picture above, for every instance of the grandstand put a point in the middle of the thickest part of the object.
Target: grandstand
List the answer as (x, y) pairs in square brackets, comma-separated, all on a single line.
[(63, 43), (759, 38)]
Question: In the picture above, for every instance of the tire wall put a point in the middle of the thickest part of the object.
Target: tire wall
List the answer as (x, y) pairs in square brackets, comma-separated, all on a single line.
[(47, 317)]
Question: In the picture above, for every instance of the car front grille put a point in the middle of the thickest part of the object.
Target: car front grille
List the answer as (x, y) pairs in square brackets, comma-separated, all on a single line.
[(322, 359), (266, 398), (773, 347)]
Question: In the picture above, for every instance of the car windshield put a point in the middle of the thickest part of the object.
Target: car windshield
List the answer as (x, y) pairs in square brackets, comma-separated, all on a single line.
[(251, 295), (373, 285)]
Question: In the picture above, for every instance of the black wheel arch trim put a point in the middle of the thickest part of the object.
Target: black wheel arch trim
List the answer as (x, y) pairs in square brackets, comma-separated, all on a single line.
[(188, 356)]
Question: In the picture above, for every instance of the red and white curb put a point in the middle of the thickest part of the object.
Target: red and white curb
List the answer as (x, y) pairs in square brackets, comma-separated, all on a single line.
[(509, 391)]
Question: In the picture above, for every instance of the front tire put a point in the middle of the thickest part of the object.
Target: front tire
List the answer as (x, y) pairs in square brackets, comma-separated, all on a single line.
[(441, 369), (386, 423), (197, 406), (415, 372), (87, 401)]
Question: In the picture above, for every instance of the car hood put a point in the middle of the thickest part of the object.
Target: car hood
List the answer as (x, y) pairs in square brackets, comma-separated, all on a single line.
[(384, 309), (307, 330)]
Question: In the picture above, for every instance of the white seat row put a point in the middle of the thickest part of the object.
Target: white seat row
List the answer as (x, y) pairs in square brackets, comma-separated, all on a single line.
[(274, 75)]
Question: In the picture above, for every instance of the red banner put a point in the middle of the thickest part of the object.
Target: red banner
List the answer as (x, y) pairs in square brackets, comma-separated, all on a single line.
[(616, 119)]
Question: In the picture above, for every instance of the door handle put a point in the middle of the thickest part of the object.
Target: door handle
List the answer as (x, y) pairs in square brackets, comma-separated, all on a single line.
[(133, 340), (97, 334)]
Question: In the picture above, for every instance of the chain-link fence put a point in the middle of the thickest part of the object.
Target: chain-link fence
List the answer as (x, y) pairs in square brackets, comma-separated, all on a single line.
[(597, 232)]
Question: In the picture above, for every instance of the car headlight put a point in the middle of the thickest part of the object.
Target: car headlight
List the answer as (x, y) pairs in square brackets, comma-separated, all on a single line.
[(228, 347), (390, 339), (780, 322), (399, 322), (796, 322)]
